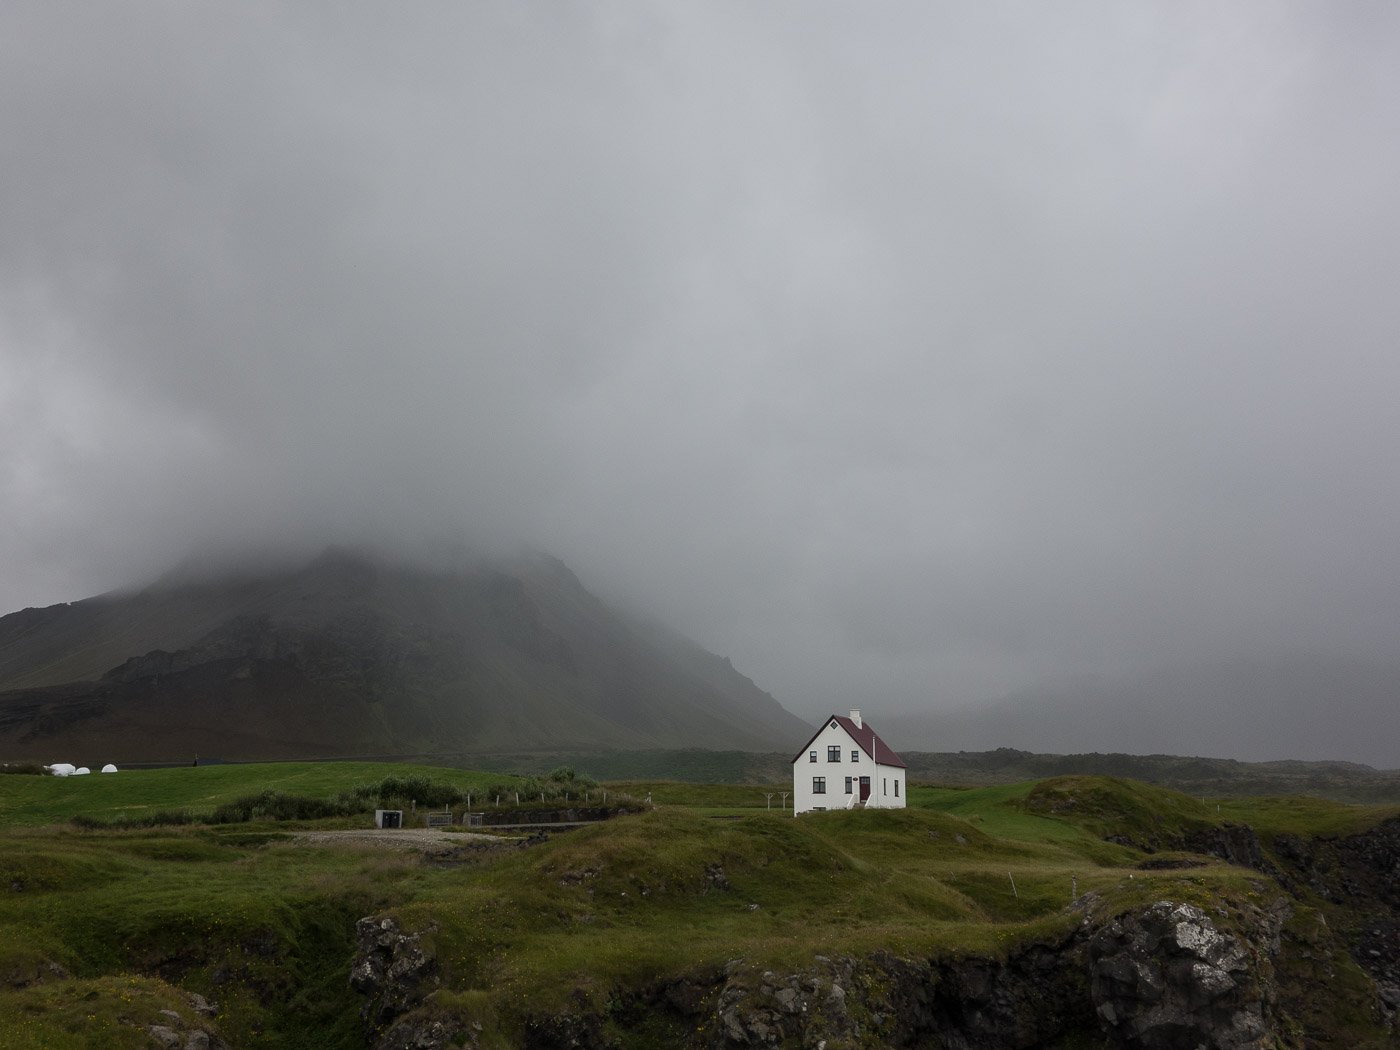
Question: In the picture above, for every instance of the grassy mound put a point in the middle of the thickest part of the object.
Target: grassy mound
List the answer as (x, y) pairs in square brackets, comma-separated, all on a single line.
[(1124, 810), (253, 920)]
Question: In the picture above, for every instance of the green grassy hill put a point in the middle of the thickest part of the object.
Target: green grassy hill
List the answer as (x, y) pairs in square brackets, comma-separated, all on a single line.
[(97, 926)]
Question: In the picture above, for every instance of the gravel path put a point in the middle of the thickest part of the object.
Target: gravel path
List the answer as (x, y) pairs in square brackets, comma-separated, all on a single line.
[(394, 838)]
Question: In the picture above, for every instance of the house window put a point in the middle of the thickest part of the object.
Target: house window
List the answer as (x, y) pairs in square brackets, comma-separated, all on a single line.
[(812, 757), (884, 785), (819, 785), (896, 789), (848, 785), (855, 756), (833, 753)]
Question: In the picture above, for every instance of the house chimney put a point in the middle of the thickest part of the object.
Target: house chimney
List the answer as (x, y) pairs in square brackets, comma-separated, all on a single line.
[(855, 717)]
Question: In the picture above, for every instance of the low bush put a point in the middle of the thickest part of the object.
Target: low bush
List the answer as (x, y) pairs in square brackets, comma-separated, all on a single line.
[(568, 779), (398, 792), (274, 805)]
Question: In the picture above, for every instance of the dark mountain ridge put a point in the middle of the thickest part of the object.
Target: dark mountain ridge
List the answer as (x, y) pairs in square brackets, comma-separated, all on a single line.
[(352, 654), (1279, 707)]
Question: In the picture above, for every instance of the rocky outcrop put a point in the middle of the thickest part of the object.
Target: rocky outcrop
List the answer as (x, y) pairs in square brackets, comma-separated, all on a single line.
[(1167, 977), (1358, 879), (173, 1031), (968, 1004), (391, 969), (1234, 843), (1370, 864), (427, 1032)]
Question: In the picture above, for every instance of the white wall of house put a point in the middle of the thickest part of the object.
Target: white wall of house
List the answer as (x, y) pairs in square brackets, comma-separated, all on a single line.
[(891, 788), (833, 763)]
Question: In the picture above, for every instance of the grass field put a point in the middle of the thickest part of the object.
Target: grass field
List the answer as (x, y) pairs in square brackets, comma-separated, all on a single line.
[(1308, 817), (996, 810), (32, 801), (100, 925)]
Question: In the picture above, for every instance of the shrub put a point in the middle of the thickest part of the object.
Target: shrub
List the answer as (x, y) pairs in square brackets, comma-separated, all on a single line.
[(397, 793), (570, 781), (419, 789), (273, 805)]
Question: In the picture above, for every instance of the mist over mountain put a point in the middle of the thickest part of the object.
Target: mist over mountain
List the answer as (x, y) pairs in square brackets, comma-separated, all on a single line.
[(358, 654), (915, 356)]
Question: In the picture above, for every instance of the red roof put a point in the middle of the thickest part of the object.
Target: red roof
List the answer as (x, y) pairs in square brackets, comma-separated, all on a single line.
[(863, 735)]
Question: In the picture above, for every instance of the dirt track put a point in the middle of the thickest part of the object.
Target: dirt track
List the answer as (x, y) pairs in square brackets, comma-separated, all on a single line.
[(394, 838)]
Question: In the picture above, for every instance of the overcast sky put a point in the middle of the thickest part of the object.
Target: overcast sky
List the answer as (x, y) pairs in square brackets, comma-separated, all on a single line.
[(910, 355)]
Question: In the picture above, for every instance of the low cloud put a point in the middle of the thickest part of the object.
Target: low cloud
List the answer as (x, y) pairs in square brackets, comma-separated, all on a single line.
[(909, 357)]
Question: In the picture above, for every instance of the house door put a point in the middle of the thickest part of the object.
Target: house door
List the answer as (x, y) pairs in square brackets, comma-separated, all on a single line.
[(864, 788)]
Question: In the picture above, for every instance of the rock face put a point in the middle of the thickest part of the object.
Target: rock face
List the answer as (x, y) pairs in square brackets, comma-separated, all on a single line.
[(1169, 980), (1360, 875), (972, 1004), (1163, 978), (391, 969), (1235, 843)]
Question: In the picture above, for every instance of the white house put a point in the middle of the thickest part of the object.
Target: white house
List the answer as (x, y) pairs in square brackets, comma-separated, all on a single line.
[(846, 765)]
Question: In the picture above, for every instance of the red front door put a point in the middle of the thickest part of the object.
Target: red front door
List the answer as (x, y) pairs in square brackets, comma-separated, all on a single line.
[(864, 788)]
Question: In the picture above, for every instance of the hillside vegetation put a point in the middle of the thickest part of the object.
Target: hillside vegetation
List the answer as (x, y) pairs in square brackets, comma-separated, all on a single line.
[(352, 655), (1344, 781), (1211, 777), (102, 929)]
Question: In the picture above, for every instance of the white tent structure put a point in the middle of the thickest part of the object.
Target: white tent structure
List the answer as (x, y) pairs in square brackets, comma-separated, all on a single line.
[(81, 771), (62, 769), (109, 768)]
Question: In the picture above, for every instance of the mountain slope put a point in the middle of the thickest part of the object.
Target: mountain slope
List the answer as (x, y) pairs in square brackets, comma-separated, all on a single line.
[(351, 655)]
